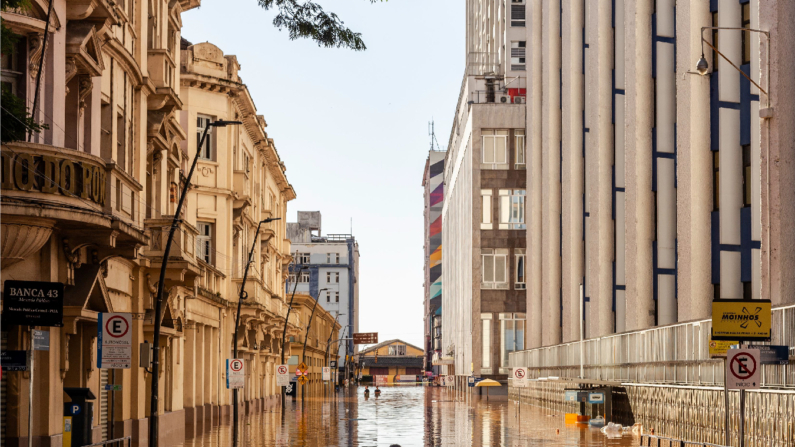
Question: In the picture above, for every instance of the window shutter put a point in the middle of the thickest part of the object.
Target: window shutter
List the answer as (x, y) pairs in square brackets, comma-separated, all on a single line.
[(517, 15)]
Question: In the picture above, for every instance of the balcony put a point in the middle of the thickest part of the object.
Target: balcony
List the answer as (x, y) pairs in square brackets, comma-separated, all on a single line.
[(183, 266), (482, 64), (91, 201)]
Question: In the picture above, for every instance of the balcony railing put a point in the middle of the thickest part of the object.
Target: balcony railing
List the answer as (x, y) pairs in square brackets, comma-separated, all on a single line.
[(480, 64), (183, 246)]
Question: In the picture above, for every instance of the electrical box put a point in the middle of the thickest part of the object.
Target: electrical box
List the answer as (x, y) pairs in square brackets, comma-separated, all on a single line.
[(145, 357)]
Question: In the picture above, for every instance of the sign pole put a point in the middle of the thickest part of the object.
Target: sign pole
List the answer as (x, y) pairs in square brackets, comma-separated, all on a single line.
[(113, 401), (30, 391), (726, 396), (742, 411)]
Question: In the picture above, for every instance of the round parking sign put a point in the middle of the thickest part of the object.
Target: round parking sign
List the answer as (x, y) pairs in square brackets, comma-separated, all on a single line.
[(117, 326), (743, 365), (236, 365), (282, 369), (519, 373)]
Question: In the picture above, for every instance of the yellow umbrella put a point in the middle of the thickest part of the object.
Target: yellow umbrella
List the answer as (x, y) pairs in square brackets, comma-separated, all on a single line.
[(487, 382)]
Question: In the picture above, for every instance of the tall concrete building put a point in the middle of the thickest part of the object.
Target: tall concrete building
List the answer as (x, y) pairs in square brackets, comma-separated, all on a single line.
[(656, 187), (433, 195), (333, 264), (483, 215)]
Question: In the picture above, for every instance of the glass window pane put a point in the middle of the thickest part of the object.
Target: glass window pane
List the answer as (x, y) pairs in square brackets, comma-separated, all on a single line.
[(488, 149), (486, 357), (499, 150), (500, 269), (488, 268), (519, 335), (505, 209), (520, 269), (486, 209)]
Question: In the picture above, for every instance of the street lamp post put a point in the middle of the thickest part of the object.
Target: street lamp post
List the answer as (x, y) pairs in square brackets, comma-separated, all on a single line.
[(328, 342), (287, 318), (153, 423), (306, 336), (327, 353), (243, 296)]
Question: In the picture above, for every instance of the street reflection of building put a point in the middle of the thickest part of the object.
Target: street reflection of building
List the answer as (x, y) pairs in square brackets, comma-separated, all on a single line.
[(392, 361), (89, 202), (324, 328)]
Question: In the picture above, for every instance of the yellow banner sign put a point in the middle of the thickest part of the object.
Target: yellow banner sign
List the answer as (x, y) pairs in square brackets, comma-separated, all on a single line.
[(741, 320), (718, 348)]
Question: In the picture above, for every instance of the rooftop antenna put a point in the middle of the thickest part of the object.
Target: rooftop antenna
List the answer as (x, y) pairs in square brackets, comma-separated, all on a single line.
[(432, 134)]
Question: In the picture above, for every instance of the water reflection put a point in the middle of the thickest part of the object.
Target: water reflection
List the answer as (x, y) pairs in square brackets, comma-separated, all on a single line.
[(407, 416)]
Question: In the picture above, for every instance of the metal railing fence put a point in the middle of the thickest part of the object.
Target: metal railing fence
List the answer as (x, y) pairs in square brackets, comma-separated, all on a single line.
[(677, 353), (661, 441)]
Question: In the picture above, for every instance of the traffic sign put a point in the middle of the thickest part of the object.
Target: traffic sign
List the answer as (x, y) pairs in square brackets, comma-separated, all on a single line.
[(326, 373), (743, 369), (282, 375), (235, 373), (303, 367), (365, 338), (718, 348), (474, 381), (743, 320), (302, 380), (114, 345), (520, 377)]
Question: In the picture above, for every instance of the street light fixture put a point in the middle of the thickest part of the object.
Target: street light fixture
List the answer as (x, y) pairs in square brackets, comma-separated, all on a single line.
[(243, 296), (702, 66), (287, 318), (306, 336), (153, 408), (331, 332)]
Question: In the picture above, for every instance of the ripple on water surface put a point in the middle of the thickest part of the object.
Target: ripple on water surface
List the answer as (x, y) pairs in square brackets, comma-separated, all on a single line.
[(407, 416)]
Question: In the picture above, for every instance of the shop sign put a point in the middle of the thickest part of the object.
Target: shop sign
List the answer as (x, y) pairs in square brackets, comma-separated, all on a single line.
[(772, 355), (51, 174), (33, 303), (743, 320), (718, 348)]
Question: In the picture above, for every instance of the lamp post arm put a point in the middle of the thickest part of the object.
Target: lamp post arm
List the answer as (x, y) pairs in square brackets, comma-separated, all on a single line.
[(309, 325), (153, 424), (704, 41)]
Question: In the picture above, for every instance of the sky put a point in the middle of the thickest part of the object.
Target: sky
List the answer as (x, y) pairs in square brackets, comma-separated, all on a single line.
[(352, 128)]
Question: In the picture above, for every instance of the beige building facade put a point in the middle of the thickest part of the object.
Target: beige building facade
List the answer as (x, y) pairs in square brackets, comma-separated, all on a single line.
[(89, 201)]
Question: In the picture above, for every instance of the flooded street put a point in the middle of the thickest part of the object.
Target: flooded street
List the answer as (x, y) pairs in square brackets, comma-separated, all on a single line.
[(408, 416)]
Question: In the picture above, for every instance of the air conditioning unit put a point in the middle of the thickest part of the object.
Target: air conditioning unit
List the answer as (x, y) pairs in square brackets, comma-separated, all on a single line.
[(504, 99), (519, 100)]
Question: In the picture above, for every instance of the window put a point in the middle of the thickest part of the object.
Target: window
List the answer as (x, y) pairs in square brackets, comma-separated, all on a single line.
[(747, 175), (293, 360), (512, 209), (512, 329), (328, 297), (302, 258), (495, 268), (121, 149), (485, 222), (304, 277), (332, 277), (517, 13), (329, 257), (204, 242), (397, 350), (520, 283), (485, 361), (519, 162), (495, 152), (12, 69), (517, 55), (746, 41), (336, 297), (205, 151)]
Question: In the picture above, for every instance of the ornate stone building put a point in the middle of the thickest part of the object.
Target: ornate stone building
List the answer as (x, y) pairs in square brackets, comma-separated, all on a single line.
[(88, 202)]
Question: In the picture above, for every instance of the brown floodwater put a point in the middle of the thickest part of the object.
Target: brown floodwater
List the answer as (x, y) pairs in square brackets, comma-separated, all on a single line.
[(407, 416)]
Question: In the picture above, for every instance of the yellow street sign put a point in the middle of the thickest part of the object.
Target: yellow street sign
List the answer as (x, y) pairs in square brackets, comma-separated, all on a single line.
[(718, 348), (741, 320), (302, 380), (302, 366)]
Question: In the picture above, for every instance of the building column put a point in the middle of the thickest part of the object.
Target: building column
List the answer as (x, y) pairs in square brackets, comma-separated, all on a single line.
[(693, 167), (640, 311), (535, 227)]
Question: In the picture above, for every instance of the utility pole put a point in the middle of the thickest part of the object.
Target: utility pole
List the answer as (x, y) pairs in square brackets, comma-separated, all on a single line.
[(244, 295), (153, 408)]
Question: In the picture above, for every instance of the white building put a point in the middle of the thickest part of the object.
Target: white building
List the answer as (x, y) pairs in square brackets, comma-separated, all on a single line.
[(332, 263)]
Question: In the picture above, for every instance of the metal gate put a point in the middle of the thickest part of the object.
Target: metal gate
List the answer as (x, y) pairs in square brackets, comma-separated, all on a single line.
[(103, 403)]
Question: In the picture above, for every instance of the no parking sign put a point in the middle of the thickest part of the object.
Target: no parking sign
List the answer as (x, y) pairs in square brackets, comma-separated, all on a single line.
[(743, 369), (115, 340)]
